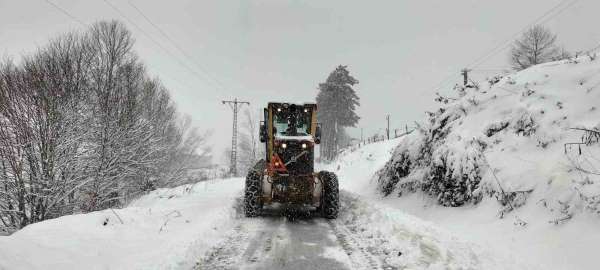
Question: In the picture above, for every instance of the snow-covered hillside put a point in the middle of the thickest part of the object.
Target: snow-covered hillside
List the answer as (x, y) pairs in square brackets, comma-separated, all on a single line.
[(508, 141), (499, 152)]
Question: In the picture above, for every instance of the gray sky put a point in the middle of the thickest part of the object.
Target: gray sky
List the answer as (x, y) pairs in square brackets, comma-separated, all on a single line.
[(280, 50)]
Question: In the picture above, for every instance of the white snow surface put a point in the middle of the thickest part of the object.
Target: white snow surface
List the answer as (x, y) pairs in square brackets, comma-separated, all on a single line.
[(166, 229), (554, 98), (558, 225), (537, 245), (176, 228)]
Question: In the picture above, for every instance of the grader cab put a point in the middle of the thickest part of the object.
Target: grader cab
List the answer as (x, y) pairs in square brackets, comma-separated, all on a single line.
[(286, 175)]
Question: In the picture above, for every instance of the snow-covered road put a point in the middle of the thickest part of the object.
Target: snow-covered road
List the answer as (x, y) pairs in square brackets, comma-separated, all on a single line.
[(364, 237), (275, 242), (291, 240)]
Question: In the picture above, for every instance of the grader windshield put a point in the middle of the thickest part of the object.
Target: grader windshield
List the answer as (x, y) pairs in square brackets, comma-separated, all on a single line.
[(287, 123)]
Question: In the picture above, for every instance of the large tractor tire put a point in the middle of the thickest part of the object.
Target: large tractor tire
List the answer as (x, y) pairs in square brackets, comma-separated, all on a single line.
[(252, 194), (330, 204)]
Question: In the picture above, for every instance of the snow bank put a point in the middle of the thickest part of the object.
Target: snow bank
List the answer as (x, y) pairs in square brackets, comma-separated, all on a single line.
[(530, 199), (166, 229), (359, 163), (404, 240), (407, 242), (506, 140)]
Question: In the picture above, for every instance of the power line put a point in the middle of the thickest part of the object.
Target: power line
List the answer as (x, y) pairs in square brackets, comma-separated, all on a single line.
[(541, 19), (443, 82), (74, 18), (489, 69), (554, 11), (235, 106), (162, 32), (169, 53), (64, 11)]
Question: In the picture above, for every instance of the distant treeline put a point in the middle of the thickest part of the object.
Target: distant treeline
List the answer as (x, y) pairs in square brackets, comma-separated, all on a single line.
[(83, 128)]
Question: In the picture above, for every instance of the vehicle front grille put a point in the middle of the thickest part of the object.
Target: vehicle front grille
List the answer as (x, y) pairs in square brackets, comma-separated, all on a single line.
[(304, 164)]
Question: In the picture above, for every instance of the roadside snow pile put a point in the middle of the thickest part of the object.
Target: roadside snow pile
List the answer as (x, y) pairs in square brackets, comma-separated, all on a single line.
[(400, 240), (166, 229), (360, 163), (403, 241), (506, 139)]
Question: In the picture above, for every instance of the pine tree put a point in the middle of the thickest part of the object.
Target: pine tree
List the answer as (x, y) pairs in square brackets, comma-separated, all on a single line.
[(337, 102)]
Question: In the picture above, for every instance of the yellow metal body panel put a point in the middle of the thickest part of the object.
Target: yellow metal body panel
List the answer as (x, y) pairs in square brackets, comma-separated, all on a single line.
[(313, 121), (270, 136)]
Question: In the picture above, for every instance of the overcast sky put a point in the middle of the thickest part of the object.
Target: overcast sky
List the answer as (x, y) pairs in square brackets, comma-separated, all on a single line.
[(280, 50)]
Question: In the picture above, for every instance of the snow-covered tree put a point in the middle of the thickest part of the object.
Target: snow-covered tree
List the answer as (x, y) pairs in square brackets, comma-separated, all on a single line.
[(537, 45), (337, 102), (83, 128)]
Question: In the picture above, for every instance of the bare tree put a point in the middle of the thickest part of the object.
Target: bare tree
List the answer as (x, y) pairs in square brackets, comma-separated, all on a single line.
[(537, 45), (249, 148), (83, 128)]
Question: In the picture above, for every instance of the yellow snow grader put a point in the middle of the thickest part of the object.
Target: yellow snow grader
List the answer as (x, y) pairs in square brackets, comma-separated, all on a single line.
[(286, 176)]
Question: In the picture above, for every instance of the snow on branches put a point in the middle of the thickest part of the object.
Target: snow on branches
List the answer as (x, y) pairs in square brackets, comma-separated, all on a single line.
[(83, 128)]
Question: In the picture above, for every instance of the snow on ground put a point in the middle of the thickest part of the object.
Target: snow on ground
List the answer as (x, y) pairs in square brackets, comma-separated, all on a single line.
[(199, 226), (539, 244), (404, 241), (166, 229), (557, 227), (437, 248), (361, 163), (508, 139)]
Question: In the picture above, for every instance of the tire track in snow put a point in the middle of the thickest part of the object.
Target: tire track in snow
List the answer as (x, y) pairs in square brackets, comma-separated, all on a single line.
[(362, 257), (261, 244), (225, 254), (246, 244), (276, 242)]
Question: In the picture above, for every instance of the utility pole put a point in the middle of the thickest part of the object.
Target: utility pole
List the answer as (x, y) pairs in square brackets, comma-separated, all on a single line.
[(465, 73), (361, 135), (388, 126), (235, 106)]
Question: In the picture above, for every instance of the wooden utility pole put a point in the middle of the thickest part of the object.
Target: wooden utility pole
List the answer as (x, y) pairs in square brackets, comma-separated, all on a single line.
[(361, 135), (388, 126), (465, 73), (235, 106)]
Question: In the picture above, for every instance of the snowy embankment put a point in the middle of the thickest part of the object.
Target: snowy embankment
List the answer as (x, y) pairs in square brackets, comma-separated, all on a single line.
[(499, 153), (423, 244), (536, 245), (166, 229)]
